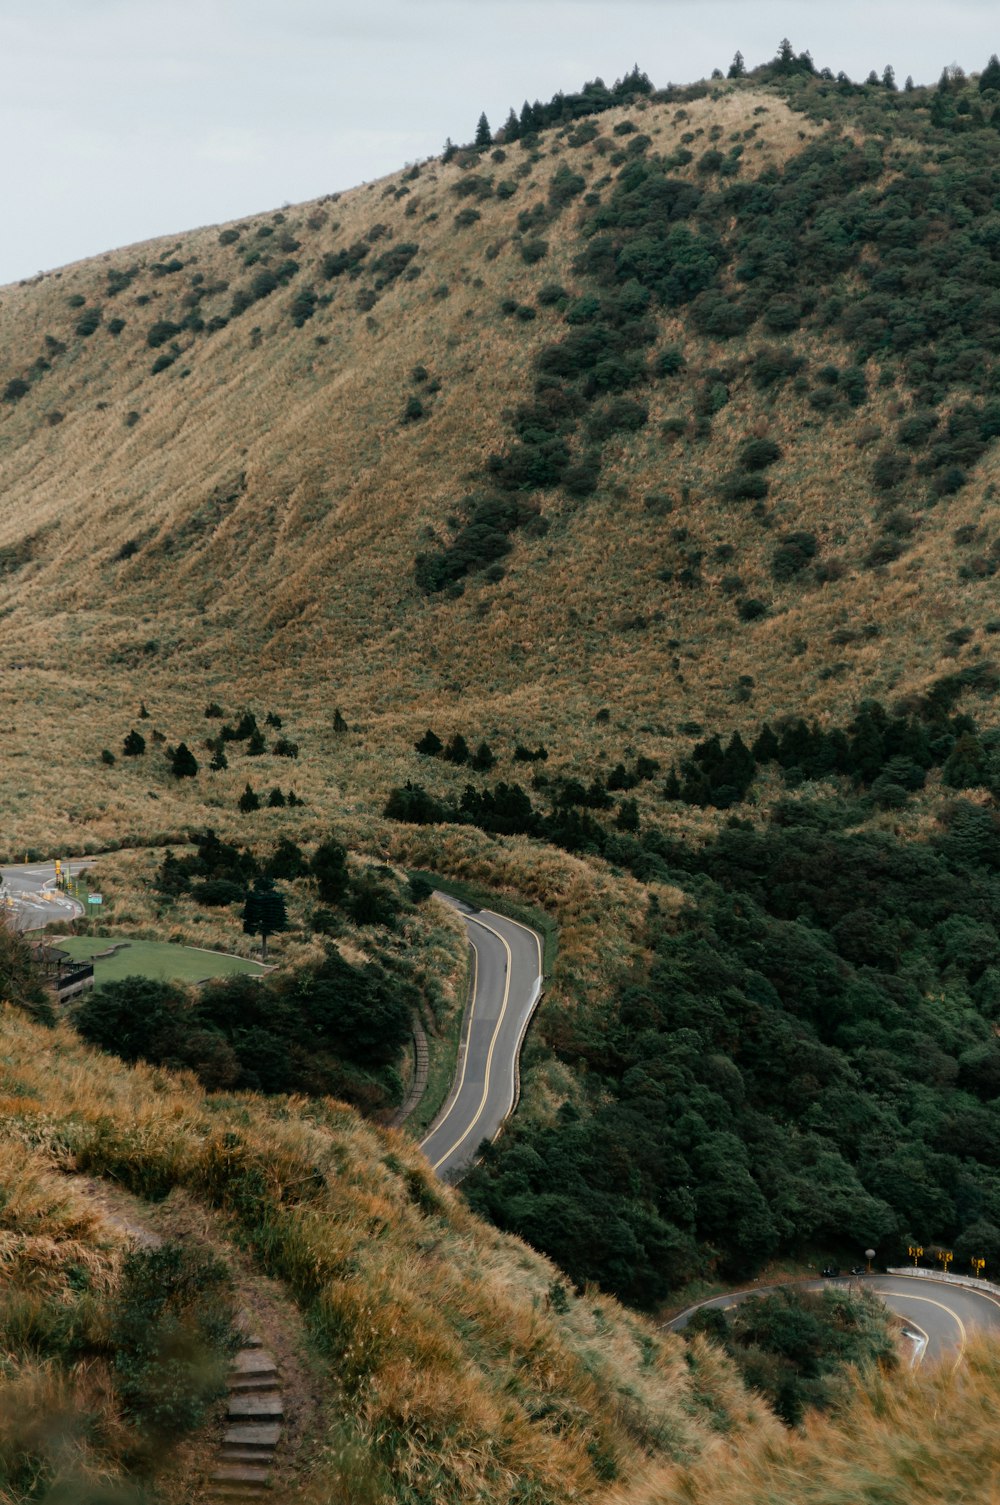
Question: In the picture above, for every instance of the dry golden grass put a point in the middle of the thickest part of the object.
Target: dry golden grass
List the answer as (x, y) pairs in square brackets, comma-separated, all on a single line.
[(929, 1435), (450, 1371), (299, 593)]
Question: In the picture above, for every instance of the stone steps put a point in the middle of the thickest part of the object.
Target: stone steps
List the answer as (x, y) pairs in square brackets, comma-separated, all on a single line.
[(255, 1414)]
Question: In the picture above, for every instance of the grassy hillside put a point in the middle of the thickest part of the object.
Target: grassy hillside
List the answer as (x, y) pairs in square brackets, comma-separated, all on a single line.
[(243, 525), (938, 1428), (648, 461), (442, 1360)]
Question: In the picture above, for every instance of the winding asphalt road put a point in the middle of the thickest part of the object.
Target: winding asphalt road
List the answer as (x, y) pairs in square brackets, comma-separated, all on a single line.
[(506, 986), (938, 1316), (34, 900)]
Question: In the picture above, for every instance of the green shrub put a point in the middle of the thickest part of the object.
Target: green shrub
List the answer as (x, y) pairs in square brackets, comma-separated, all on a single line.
[(162, 331), (758, 454), (533, 251), (89, 322), (744, 486), (302, 306), (794, 552), (172, 1334)]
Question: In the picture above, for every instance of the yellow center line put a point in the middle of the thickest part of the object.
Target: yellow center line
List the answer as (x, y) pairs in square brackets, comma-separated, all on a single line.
[(912, 1296), (974, 1290), (456, 1093), (489, 1057)]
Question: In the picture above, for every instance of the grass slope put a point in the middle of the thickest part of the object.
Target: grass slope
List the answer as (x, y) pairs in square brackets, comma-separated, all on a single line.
[(251, 533), (455, 1365)]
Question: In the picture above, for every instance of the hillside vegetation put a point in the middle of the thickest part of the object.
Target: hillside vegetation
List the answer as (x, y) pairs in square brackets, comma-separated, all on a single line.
[(756, 475), (450, 1362), (604, 515)]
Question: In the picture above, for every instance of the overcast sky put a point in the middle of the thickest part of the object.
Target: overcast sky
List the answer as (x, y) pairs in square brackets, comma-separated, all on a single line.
[(124, 119)]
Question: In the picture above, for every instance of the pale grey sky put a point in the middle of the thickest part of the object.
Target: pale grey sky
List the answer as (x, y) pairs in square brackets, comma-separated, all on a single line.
[(124, 119)]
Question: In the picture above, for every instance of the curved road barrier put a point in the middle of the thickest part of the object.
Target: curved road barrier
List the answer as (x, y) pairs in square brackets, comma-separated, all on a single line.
[(506, 987), (30, 897), (943, 1320)]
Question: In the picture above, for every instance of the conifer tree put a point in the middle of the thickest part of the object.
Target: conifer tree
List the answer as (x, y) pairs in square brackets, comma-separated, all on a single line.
[(219, 760), (265, 913), (785, 61), (430, 744), (889, 78), (765, 746), (990, 76), (457, 750), (483, 759), (737, 68), (967, 765), (134, 745), (512, 126), (484, 136), (183, 763), (249, 800), (329, 868)]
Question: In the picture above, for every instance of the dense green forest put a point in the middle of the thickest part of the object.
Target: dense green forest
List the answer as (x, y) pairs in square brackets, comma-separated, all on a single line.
[(808, 1061)]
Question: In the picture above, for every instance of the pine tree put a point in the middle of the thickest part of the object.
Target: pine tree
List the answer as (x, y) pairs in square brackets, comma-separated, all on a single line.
[(340, 727), (457, 750), (484, 136), (288, 861), (256, 744), (627, 818), (265, 913), (785, 61), (276, 799), (143, 713), (889, 78), (672, 786), (249, 800), (329, 868), (967, 765), (430, 744), (483, 759), (219, 761), (765, 746), (134, 745), (183, 763), (527, 120), (737, 68), (990, 76), (909, 85), (512, 127)]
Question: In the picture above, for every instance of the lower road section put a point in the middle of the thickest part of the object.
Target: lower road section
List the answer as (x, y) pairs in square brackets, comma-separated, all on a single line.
[(940, 1317), (506, 986), (29, 896)]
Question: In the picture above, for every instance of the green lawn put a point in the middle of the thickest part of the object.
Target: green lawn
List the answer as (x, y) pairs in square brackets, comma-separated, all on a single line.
[(153, 959)]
